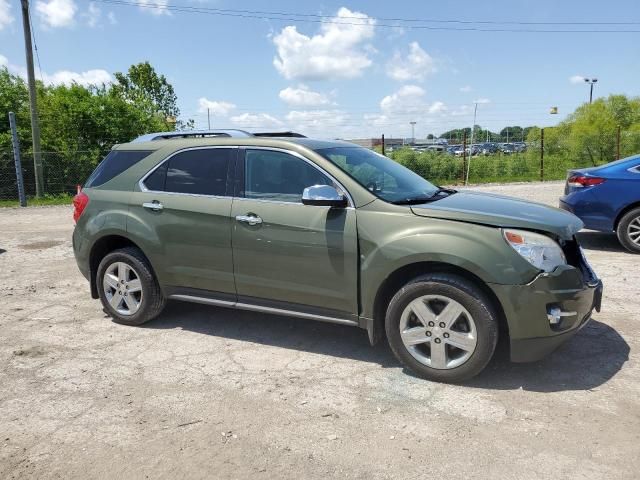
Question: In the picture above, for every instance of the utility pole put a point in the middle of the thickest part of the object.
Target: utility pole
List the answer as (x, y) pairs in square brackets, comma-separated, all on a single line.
[(383, 144), (33, 102), (473, 127), (464, 156), (413, 132)]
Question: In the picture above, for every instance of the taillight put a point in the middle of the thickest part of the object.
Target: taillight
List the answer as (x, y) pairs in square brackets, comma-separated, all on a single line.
[(80, 202), (582, 181)]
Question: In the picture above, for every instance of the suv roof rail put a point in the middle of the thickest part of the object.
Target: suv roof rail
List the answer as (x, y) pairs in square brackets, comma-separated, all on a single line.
[(224, 132)]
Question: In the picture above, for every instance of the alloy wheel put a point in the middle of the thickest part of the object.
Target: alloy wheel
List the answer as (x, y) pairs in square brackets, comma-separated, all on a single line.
[(122, 288), (438, 331)]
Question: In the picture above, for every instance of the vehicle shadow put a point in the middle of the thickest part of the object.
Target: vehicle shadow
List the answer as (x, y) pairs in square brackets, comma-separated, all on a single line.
[(606, 242), (588, 360)]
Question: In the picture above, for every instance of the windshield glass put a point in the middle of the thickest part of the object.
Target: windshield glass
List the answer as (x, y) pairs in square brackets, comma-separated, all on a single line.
[(380, 175)]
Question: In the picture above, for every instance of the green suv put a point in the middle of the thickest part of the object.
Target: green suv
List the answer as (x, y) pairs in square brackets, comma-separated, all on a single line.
[(329, 231)]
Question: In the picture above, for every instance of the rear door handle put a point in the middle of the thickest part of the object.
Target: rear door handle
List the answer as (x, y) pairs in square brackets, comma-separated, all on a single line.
[(156, 206), (251, 219)]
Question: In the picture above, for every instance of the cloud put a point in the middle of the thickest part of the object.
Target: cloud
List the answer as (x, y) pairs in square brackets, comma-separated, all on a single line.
[(317, 118), (466, 89), (303, 97), (576, 79), (56, 13), (407, 98), (220, 109), (415, 66), (154, 7), (338, 51), (437, 107), (62, 77), (112, 18), (90, 77), (93, 14), (5, 14), (481, 101), (256, 120)]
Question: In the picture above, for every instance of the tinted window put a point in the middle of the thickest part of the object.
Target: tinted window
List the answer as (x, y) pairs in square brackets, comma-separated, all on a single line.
[(116, 162), (156, 180), (271, 175), (202, 171)]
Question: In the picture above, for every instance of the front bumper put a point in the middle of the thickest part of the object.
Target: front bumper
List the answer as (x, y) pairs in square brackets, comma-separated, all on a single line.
[(575, 290)]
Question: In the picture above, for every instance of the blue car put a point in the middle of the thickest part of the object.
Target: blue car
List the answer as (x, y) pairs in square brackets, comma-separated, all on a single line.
[(607, 199)]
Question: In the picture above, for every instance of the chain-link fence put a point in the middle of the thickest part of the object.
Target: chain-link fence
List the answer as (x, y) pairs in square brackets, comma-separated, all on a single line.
[(62, 172)]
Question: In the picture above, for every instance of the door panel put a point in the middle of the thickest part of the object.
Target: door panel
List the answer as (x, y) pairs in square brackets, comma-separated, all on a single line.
[(288, 252), (185, 220)]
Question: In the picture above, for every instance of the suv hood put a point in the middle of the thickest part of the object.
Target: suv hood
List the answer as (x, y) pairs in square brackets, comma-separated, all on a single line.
[(501, 211)]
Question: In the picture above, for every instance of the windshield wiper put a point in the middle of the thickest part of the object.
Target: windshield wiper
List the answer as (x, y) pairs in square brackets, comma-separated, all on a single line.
[(437, 195)]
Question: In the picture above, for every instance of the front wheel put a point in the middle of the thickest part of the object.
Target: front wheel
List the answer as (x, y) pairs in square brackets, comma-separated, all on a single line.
[(442, 327), (628, 230), (127, 287)]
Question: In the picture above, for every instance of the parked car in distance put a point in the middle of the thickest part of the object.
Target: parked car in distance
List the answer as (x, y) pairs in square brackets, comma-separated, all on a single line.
[(607, 199), (330, 231)]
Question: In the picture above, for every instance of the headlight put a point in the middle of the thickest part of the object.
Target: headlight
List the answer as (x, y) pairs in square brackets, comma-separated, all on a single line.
[(539, 250)]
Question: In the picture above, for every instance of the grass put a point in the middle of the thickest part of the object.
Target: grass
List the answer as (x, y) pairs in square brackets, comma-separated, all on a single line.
[(62, 199)]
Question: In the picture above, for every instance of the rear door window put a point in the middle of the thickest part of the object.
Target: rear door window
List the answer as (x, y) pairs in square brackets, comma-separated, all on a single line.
[(116, 162), (200, 172)]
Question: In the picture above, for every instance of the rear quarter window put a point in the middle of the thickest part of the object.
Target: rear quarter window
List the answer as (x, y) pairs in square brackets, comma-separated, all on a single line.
[(116, 162)]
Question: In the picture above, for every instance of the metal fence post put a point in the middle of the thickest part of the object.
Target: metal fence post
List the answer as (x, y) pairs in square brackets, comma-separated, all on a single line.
[(542, 154), (383, 152), (16, 158)]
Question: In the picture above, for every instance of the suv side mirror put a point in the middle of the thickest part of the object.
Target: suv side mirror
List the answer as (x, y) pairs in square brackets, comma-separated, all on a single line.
[(323, 195)]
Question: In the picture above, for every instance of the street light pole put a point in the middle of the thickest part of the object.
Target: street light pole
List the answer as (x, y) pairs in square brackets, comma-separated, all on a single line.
[(591, 81), (413, 132)]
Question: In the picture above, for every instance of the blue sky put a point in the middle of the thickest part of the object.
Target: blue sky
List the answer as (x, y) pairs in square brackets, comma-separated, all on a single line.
[(351, 76)]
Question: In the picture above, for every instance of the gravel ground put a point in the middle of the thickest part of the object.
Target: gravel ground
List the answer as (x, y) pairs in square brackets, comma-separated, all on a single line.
[(204, 392)]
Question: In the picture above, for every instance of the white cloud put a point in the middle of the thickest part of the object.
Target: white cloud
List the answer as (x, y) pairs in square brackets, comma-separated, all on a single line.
[(56, 13), (155, 7), (576, 79), (437, 107), (62, 77), (481, 101), (317, 118), (466, 89), (256, 120), (66, 77), (93, 14), (220, 109), (303, 97), (5, 14), (338, 51), (407, 98), (112, 18), (415, 66)]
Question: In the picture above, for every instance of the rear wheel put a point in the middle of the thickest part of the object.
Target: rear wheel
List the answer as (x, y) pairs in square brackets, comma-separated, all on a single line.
[(127, 287), (442, 327), (629, 230)]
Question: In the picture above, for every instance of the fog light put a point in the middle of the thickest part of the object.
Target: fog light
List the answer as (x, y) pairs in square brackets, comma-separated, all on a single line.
[(555, 314)]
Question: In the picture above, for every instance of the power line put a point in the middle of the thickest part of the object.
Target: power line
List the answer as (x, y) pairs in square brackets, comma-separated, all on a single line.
[(374, 22), (35, 46)]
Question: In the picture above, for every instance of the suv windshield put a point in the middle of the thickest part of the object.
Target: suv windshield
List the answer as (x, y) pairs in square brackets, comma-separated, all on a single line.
[(382, 176)]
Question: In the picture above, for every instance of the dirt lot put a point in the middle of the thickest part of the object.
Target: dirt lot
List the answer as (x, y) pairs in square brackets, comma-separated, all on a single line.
[(211, 393)]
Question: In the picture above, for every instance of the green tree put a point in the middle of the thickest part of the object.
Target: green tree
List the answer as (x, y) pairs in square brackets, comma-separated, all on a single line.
[(146, 88)]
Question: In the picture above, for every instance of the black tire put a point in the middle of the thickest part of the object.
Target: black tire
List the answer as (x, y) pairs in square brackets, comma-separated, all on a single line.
[(623, 230), (466, 294), (151, 302)]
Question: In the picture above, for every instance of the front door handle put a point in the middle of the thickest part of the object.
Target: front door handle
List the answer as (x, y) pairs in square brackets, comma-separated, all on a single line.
[(251, 219), (156, 206)]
